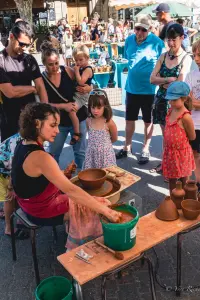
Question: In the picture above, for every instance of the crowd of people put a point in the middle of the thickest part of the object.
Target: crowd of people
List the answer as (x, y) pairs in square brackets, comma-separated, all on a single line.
[(160, 83)]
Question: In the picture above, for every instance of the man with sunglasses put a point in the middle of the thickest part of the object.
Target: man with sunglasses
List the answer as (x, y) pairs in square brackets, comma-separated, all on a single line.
[(142, 50), (17, 71)]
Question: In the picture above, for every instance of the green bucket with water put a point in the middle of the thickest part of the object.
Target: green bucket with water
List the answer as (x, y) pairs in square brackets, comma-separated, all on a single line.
[(121, 237), (54, 288)]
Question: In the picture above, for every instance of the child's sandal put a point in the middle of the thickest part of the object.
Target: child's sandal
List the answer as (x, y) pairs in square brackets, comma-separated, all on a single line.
[(75, 140)]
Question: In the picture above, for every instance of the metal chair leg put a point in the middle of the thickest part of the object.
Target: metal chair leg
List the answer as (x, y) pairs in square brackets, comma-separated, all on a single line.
[(78, 294), (13, 237), (178, 270), (55, 234), (152, 280), (35, 262), (103, 288)]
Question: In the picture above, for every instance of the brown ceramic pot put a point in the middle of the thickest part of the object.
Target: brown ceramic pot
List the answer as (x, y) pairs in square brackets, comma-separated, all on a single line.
[(167, 210), (92, 179), (178, 194), (191, 190), (190, 208)]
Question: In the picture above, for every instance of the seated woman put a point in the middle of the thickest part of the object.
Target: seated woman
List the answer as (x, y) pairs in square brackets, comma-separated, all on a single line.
[(41, 188)]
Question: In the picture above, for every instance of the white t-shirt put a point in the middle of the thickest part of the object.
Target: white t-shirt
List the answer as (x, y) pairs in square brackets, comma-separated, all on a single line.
[(193, 80)]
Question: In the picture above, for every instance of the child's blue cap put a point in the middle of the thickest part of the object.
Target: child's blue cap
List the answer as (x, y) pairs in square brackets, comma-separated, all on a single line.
[(176, 90)]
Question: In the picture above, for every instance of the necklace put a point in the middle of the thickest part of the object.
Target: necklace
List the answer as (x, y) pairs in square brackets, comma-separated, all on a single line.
[(172, 56)]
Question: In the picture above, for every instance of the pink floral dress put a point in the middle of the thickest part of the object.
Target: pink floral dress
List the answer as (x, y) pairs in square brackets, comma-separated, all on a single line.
[(100, 152), (178, 159)]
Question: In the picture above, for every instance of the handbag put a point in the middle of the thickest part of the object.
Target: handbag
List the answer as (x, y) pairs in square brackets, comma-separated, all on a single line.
[(44, 75)]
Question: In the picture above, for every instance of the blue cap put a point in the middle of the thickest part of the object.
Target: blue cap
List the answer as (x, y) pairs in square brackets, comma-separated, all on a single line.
[(176, 90), (162, 7)]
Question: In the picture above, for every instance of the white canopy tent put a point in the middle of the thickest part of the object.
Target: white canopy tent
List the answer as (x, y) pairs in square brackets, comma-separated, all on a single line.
[(122, 4)]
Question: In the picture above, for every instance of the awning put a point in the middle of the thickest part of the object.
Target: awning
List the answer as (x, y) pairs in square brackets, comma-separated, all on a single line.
[(176, 10), (122, 4)]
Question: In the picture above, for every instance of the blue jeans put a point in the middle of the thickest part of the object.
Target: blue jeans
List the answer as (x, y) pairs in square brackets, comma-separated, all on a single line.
[(79, 148)]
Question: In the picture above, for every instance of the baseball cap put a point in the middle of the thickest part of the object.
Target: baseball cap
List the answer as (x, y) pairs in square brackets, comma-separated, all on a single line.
[(144, 21), (162, 7), (176, 90)]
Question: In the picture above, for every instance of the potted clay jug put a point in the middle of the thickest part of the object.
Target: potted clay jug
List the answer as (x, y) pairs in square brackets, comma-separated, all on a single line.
[(178, 194), (167, 210), (191, 190)]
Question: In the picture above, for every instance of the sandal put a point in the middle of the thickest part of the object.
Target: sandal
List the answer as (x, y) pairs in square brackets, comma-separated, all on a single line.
[(20, 234), (157, 169), (76, 138), (144, 158)]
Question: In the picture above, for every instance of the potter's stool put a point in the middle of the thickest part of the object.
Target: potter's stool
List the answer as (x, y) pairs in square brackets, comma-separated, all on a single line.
[(20, 215)]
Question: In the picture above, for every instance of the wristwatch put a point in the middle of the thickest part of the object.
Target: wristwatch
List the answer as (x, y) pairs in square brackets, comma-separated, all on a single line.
[(166, 80)]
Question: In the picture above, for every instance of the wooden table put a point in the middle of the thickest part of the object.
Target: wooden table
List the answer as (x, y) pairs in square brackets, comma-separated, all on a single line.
[(150, 232)]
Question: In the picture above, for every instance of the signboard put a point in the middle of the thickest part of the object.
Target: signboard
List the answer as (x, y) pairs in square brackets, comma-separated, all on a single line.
[(52, 15), (43, 15)]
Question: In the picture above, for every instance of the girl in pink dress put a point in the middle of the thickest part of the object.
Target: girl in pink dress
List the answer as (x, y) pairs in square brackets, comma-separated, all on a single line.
[(102, 132), (178, 159)]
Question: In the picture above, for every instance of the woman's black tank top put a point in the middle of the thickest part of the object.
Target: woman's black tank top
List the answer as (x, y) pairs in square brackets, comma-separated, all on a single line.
[(67, 90), (24, 185)]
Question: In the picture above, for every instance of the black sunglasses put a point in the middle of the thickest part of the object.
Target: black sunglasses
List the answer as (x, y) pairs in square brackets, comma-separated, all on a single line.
[(21, 44), (140, 29)]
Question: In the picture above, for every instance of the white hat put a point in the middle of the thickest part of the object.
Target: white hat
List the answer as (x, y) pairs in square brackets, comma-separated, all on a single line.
[(144, 21)]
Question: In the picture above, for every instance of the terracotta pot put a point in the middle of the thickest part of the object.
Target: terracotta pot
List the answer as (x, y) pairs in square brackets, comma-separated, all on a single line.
[(191, 190), (167, 210), (190, 208), (178, 194), (92, 179)]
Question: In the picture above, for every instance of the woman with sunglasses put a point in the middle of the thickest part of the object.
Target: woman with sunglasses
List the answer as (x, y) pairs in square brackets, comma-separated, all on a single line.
[(60, 85), (172, 66)]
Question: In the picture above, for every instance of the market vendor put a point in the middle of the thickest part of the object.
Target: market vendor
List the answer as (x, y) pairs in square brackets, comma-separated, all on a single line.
[(41, 188)]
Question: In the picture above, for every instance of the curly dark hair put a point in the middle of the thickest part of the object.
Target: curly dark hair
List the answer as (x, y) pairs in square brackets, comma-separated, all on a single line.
[(29, 116), (96, 100)]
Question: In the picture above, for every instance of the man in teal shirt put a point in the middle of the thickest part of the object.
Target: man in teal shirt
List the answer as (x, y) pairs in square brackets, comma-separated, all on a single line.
[(142, 50)]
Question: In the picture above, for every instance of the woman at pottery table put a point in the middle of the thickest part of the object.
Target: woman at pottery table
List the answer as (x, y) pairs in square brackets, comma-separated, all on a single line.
[(172, 65), (60, 86), (41, 188)]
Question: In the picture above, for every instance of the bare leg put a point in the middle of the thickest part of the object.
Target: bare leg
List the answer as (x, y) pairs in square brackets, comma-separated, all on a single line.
[(8, 210), (148, 131), (75, 121), (197, 163), (130, 129), (172, 184)]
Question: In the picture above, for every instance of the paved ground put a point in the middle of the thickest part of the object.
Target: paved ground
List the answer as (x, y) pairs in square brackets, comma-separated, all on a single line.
[(17, 278)]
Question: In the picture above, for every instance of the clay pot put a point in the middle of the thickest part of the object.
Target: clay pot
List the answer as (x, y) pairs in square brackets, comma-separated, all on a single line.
[(92, 179), (191, 190), (190, 208), (178, 194), (167, 210)]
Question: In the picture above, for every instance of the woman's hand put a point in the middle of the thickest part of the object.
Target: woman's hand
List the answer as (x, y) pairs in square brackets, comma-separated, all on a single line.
[(113, 215), (84, 89), (171, 79), (66, 106)]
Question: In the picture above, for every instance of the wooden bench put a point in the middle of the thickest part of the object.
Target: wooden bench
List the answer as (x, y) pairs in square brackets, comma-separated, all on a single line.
[(150, 232)]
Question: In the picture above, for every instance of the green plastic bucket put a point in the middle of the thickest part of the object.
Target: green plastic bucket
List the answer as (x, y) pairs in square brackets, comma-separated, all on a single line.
[(121, 237), (54, 288)]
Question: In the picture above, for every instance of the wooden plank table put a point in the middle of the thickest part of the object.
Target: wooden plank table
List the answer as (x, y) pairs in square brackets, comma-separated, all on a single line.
[(150, 232)]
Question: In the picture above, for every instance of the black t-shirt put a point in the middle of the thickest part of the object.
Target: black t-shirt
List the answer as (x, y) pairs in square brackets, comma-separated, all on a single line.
[(163, 33), (67, 90), (18, 71)]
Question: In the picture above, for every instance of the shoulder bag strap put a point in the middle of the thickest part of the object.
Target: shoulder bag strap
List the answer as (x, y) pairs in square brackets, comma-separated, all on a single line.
[(44, 75), (181, 62)]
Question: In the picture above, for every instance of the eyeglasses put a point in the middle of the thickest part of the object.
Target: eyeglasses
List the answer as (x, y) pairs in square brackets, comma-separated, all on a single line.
[(141, 29), (21, 44), (98, 93)]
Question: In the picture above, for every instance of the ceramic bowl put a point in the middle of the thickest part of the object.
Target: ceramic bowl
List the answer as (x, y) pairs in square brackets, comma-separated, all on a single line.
[(92, 179), (190, 208)]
